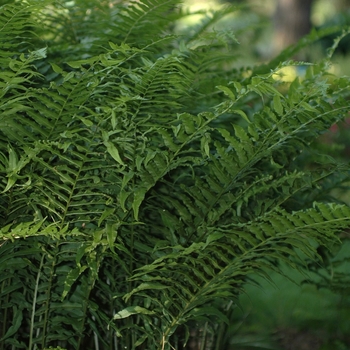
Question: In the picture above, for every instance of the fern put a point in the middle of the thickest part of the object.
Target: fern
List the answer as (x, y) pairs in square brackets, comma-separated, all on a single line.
[(138, 189)]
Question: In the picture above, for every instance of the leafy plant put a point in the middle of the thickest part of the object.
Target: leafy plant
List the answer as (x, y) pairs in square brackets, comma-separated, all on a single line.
[(144, 179)]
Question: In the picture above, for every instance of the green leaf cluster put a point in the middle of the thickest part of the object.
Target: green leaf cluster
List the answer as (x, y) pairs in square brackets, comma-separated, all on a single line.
[(142, 180)]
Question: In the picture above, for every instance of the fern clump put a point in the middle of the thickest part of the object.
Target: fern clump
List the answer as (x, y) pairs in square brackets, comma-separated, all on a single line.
[(140, 189)]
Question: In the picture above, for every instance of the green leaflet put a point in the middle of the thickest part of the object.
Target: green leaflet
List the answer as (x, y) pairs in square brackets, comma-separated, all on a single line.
[(210, 311), (277, 104), (24, 229), (227, 92), (113, 151), (71, 278), (138, 198), (142, 183), (16, 323)]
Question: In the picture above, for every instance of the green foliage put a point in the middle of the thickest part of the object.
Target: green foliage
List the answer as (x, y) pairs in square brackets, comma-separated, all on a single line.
[(287, 315), (143, 180)]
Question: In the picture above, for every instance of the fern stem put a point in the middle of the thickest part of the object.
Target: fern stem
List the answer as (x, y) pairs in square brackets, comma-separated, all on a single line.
[(91, 283), (4, 321), (32, 319), (49, 292), (219, 338), (204, 336), (96, 336), (85, 308)]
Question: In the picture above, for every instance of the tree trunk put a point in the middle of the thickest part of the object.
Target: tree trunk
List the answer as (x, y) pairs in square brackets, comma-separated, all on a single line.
[(292, 21)]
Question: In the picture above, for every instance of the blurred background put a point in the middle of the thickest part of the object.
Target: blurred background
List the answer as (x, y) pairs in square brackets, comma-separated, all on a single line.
[(276, 24), (302, 311)]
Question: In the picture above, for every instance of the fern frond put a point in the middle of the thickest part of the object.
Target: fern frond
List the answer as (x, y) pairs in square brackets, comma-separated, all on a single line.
[(214, 268), (16, 25), (124, 212), (139, 14)]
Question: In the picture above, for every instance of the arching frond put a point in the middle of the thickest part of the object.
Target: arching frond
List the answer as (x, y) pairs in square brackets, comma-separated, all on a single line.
[(141, 181)]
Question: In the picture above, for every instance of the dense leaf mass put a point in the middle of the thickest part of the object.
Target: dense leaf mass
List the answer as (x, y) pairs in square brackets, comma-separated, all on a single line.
[(143, 178)]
